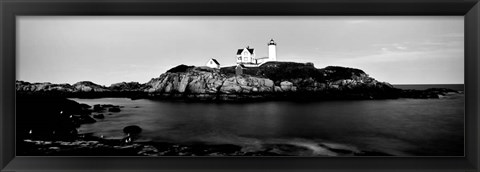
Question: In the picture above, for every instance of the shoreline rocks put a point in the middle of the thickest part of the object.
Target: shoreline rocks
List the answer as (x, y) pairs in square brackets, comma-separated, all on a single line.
[(88, 145), (54, 117), (270, 81)]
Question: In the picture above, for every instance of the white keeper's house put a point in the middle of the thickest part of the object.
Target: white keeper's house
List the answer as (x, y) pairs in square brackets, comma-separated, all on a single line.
[(246, 56)]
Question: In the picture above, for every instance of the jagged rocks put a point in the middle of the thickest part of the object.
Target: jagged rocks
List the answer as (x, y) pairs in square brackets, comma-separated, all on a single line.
[(87, 86), (127, 86), (182, 85), (229, 88), (197, 87), (46, 86), (206, 82), (278, 89), (268, 83), (286, 86)]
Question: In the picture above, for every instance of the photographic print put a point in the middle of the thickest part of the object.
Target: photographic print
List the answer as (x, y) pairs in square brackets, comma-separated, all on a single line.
[(240, 86)]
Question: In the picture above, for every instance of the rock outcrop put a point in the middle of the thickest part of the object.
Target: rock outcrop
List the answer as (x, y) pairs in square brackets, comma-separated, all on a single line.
[(83, 86), (331, 82), (202, 82), (87, 86), (126, 86), (46, 86)]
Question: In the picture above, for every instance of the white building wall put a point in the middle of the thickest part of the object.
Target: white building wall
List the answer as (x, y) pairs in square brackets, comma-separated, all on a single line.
[(239, 58), (272, 53), (212, 64), (252, 57), (246, 57)]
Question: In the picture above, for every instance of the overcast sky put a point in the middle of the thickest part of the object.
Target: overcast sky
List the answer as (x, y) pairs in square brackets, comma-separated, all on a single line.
[(107, 50)]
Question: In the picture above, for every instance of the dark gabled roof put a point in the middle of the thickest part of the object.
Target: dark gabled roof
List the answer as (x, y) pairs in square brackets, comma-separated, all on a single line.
[(250, 50), (215, 60), (239, 51)]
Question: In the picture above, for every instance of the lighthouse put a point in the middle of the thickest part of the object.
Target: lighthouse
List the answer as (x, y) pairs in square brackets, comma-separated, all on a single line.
[(272, 50)]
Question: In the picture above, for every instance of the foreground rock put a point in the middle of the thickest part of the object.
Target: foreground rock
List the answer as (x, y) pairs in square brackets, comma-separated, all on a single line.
[(49, 117), (132, 130), (91, 146)]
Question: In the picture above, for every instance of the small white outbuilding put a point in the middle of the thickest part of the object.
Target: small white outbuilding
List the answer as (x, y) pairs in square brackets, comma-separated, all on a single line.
[(213, 63)]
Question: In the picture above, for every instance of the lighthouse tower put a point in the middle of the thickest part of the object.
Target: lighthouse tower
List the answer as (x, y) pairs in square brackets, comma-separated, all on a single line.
[(272, 51)]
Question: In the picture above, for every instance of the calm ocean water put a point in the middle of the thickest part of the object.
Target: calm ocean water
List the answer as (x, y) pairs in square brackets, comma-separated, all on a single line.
[(404, 127)]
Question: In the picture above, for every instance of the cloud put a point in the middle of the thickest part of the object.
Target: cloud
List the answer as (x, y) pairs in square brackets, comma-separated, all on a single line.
[(400, 47), (426, 45)]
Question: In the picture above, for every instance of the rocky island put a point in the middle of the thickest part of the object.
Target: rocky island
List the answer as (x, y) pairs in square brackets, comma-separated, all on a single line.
[(269, 81)]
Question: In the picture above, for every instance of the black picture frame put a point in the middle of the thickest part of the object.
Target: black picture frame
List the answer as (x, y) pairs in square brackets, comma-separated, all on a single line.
[(470, 9)]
